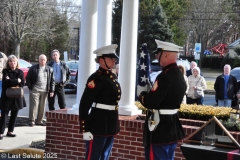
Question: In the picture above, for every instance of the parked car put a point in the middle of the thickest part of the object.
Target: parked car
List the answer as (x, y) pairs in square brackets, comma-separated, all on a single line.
[(156, 69), (185, 63), (236, 72), (24, 66), (73, 67), (71, 87)]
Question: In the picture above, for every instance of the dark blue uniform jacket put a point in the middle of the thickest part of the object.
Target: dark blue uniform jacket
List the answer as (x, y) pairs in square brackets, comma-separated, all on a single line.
[(102, 87), (167, 93)]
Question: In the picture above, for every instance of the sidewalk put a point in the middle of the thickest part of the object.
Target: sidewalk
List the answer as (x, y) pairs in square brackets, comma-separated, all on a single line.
[(25, 135), (211, 73)]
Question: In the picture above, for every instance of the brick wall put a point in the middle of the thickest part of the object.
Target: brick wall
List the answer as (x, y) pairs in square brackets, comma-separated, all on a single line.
[(64, 139)]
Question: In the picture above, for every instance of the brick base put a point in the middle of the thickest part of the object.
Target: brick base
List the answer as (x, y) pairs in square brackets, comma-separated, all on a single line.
[(63, 137)]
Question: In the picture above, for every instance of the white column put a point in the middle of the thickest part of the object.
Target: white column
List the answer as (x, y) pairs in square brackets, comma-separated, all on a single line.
[(104, 30), (104, 23), (88, 37), (128, 51)]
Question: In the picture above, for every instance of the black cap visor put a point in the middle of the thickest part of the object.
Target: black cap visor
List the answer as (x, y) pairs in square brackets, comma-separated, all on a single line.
[(157, 50), (111, 55)]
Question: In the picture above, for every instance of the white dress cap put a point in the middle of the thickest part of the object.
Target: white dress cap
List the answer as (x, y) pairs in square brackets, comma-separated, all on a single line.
[(167, 46), (107, 51)]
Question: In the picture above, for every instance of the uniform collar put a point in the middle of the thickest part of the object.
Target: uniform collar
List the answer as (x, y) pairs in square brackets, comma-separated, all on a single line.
[(172, 65), (104, 70)]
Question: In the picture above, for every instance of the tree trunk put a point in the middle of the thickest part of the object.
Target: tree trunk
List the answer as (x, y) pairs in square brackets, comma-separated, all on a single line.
[(17, 49)]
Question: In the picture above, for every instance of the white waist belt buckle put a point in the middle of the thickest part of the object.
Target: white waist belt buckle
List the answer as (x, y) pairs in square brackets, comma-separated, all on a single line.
[(105, 106), (168, 111)]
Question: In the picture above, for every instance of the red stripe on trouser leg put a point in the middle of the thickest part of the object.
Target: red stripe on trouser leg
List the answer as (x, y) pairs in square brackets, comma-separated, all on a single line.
[(151, 153), (90, 149), (231, 154)]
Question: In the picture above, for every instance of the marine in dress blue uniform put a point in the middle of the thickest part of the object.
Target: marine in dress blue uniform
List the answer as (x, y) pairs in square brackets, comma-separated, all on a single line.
[(165, 98), (98, 109)]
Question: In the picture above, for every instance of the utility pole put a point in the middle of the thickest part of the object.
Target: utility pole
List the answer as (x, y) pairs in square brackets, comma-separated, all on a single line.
[(78, 39)]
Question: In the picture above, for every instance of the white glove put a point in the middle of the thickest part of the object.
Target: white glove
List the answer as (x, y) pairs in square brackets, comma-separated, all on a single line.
[(87, 136)]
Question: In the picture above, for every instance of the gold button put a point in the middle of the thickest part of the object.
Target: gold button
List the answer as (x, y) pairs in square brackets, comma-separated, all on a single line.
[(83, 130), (119, 96), (113, 80), (83, 126), (111, 76), (118, 90), (117, 101), (117, 85), (107, 72), (82, 122)]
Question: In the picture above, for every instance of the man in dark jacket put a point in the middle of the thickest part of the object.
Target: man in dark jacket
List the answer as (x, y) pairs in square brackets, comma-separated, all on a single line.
[(165, 99), (40, 82), (226, 87), (62, 77)]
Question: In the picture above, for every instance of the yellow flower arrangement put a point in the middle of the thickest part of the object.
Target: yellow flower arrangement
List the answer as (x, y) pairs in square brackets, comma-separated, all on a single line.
[(198, 112), (204, 112)]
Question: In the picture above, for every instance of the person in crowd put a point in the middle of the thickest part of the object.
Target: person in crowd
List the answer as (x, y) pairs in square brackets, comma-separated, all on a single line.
[(192, 65), (3, 61), (196, 81), (40, 82), (189, 73), (98, 108), (183, 70), (226, 87), (62, 77), (161, 141), (12, 77)]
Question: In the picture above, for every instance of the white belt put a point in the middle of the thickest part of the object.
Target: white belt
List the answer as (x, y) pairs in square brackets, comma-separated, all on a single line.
[(168, 111), (104, 106)]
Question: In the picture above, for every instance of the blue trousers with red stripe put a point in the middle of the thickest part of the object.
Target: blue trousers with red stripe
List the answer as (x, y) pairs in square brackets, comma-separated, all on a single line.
[(99, 148), (160, 152)]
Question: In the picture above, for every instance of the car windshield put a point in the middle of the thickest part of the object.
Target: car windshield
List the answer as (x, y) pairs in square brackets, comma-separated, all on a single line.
[(24, 64), (72, 65), (155, 67), (184, 63), (236, 73)]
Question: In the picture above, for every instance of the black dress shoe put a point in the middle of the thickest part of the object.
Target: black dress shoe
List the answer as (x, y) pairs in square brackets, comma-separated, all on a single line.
[(11, 135), (31, 124), (1, 137), (41, 124)]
